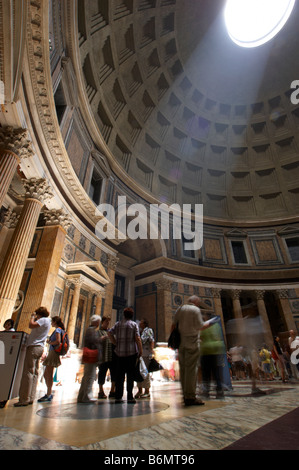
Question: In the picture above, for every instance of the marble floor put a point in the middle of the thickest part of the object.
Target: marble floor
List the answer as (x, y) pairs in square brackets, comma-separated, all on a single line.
[(158, 423)]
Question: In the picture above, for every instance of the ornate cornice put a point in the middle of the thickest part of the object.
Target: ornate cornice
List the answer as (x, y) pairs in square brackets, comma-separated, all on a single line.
[(41, 86)]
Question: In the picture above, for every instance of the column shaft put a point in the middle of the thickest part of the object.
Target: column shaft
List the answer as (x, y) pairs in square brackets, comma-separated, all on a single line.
[(44, 275), (74, 310), (16, 257), (8, 165)]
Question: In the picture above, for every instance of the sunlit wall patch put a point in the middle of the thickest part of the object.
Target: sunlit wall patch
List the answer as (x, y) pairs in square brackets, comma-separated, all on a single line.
[(251, 23)]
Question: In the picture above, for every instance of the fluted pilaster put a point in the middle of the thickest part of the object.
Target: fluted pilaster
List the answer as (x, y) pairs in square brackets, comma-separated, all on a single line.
[(37, 191), (78, 281), (14, 145)]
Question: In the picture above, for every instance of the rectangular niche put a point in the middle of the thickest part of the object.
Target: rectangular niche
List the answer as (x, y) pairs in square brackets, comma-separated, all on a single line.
[(145, 174), (221, 132), (172, 164), (213, 249), (122, 8), (134, 80), (294, 197), (239, 134), (239, 156), (240, 181), (266, 178), (259, 130), (126, 45), (135, 127), (99, 15), (179, 139), (105, 61), (151, 149), (216, 179), (148, 32), (272, 204), (196, 151), (286, 148), (104, 122), (291, 172), (147, 106), (280, 125), (243, 206), (173, 105), (167, 190), (122, 153), (216, 205), (217, 155), (190, 196), (262, 155), (118, 99), (193, 174), (265, 250)]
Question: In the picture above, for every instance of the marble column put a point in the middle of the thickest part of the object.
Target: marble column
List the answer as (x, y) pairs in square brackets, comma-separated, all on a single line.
[(285, 309), (37, 192), (238, 315), (109, 290), (164, 310), (98, 308), (14, 146), (77, 281), (216, 292), (259, 294), (10, 222), (43, 278)]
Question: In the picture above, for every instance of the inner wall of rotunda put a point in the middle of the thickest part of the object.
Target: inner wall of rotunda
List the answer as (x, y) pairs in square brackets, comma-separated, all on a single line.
[(150, 102)]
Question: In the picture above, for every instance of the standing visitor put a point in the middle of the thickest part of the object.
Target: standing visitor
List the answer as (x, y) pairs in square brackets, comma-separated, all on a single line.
[(52, 360), (40, 324), (125, 335)]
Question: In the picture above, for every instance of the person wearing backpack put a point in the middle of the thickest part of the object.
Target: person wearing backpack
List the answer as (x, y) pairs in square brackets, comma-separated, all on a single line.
[(52, 360)]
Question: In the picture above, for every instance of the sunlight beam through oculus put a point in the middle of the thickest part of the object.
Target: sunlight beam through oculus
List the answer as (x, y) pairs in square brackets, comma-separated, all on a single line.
[(251, 23)]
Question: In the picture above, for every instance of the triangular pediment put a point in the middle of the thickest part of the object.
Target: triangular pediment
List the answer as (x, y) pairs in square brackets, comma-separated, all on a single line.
[(236, 233), (93, 270), (288, 230)]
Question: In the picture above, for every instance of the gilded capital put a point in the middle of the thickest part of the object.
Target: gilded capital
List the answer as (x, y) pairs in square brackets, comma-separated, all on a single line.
[(235, 294), (163, 284), (216, 292), (282, 293), (16, 141), (259, 294), (57, 217), (76, 281), (112, 261), (11, 218), (37, 189)]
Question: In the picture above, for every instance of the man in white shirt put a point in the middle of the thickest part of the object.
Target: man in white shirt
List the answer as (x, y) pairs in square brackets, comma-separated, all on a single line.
[(190, 322), (40, 324)]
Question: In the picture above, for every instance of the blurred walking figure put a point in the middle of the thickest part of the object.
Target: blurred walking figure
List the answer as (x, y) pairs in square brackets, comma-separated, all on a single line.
[(148, 342), (190, 322), (108, 361), (280, 359), (212, 349), (92, 341)]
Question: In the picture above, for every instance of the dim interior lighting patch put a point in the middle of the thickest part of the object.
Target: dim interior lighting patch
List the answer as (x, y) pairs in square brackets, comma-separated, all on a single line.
[(251, 23)]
